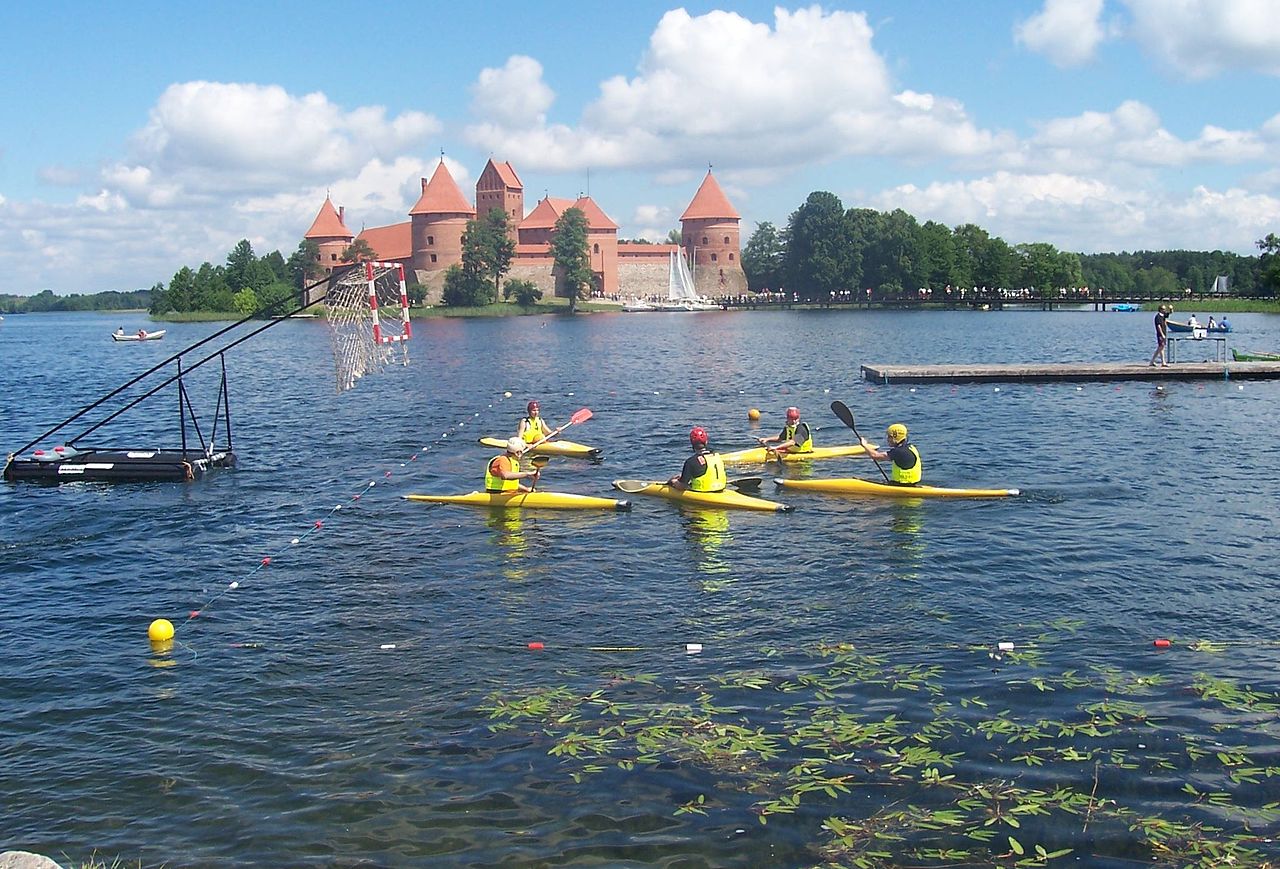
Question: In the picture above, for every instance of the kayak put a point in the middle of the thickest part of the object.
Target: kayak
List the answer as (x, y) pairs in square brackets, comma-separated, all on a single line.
[(760, 455), (854, 486), (511, 500), (550, 448), (1254, 356), (726, 500)]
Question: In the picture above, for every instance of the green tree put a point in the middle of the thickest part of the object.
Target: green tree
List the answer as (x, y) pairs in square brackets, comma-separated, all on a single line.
[(242, 266), (1269, 264), (820, 250), (417, 293), (1156, 281), (674, 237), (209, 291), (358, 251), (304, 264), (764, 258), (487, 248), (464, 288), (1039, 261), (245, 301), (938, 255), (526, 293), (181, 295), (572, 261)]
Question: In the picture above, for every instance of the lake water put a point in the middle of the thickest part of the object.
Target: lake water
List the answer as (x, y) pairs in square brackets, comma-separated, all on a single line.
[(370, 697)]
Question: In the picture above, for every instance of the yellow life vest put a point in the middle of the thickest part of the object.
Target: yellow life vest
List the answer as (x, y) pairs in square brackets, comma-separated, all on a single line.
[(789, 433), (534, 430), (713, 478), (908, 476), (494, 483)]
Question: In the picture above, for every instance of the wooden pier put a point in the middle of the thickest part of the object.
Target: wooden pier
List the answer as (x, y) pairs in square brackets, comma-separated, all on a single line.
[(1069, 371)]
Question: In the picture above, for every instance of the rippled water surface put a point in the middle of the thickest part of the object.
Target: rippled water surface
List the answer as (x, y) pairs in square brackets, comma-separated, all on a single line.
[(370, 696)]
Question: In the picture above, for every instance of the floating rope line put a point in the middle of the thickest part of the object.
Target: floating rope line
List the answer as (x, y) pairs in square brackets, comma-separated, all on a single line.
[(162, 633)]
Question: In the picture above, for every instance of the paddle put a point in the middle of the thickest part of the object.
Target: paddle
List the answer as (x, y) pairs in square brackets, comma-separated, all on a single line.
[(742, 484), (538, 462), (840, 409), (579, 416), (747, 484)]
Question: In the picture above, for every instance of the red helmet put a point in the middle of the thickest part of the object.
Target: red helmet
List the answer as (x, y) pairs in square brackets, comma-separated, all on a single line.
[(533, 405), (698, 436), (793, 413)]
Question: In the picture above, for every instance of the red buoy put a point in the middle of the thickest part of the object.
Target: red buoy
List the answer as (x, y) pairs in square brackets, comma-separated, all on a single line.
[(1162, 643), (535, 647)]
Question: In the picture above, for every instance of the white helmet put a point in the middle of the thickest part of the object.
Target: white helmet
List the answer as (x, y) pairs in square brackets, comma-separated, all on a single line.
[(516, 445)]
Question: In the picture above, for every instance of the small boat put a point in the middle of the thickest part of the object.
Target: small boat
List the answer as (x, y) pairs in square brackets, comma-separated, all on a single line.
[(854, 486), (1175, 326), (535, 499), (1254, 356), (760, 455), (550, 448), (140, 335), (1125, 306), (635, 305), (726, 500)]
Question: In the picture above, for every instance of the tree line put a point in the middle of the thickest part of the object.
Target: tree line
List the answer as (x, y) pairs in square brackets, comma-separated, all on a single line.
[(826, 249), (45, 300)]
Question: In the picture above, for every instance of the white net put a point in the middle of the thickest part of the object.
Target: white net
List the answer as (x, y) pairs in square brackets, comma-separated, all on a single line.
[(368, 317)]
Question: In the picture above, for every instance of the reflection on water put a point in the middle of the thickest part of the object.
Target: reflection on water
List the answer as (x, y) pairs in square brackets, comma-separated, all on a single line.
[(708, 532), (509, 535)]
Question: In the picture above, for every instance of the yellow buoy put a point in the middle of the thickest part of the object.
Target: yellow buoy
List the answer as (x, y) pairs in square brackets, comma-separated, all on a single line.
[(160, 631), (753, 414)]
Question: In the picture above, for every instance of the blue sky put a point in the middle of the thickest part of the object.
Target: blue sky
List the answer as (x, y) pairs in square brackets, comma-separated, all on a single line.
[(143, 136)]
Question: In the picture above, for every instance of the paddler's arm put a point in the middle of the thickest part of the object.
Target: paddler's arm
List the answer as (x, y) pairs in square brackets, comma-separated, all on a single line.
[(878, 455)]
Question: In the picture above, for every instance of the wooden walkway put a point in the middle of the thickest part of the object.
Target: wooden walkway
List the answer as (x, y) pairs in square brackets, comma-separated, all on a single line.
[(1069, 371)]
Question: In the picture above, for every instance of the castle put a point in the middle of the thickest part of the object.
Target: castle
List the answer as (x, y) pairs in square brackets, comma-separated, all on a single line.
[(431, 240)]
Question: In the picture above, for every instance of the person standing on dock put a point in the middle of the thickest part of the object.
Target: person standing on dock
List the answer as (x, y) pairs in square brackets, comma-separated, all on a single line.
[(795, 436), (908, 469), (704, 470), (1162, 334)]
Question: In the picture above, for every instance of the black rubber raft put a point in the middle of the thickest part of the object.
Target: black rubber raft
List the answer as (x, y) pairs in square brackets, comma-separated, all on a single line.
[(116, 466)]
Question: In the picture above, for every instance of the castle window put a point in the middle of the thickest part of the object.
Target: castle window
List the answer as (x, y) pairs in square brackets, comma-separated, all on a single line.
[(433, 257), (333, 257), (730, 257), (595, 248), (704, 239), (726, 239), (431, 240), (713, 257)]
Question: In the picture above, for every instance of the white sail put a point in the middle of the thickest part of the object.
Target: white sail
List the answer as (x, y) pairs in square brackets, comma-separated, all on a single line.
[(680, 283)]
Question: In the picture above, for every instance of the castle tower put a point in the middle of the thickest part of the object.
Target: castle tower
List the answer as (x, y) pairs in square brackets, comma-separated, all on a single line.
[(438, 221), (500, 187), (330, 235), (710, 237)]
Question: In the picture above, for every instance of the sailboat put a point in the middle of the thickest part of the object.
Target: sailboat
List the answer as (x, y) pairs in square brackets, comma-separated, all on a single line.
[(681, 296)]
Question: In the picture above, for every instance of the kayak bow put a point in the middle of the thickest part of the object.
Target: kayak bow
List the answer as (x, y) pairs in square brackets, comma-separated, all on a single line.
[(550, 448), (854, 486), (511, 500), (727, 500)]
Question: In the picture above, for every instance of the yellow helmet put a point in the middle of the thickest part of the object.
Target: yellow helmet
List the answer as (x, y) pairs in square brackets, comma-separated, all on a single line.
[(897, 433)]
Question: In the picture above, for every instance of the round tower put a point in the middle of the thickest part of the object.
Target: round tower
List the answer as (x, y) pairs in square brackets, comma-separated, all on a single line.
[(330, 234), (710, 237), (438, 221)]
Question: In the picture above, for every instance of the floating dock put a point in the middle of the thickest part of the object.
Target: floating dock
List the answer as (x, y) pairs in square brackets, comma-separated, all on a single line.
[(1069, 371)]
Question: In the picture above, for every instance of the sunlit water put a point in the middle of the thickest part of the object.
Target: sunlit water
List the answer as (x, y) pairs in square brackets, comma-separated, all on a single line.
[(370, 697)]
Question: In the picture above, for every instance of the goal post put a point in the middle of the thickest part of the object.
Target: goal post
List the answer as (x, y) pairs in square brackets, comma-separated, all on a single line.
[(368, 316)]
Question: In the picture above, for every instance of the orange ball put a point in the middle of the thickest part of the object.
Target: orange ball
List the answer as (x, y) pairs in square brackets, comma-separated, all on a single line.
[(753, 414)]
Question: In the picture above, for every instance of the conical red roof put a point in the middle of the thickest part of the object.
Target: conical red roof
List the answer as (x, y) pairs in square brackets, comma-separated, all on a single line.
[(596, 218), (442, 196), (328, 224), (710, 203)]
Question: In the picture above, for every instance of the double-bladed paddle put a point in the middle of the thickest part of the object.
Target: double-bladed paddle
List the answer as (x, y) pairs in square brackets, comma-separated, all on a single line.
[(579, 416), (840, 409)]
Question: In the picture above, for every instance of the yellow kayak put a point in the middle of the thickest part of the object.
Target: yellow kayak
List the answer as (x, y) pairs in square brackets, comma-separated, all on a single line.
[(726, 500), (854, 486), (550, 448), (760, 455), (544, 500)]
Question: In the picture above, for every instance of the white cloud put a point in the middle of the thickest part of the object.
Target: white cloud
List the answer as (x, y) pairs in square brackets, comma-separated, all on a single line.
[(514, 95), (1088, 215), (59, 176), (1201, 38), (211, 139), (1067, 32)]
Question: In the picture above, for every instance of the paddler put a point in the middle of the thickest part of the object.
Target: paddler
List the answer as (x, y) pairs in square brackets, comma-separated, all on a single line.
[(503, 473), (795, 436), (908, 469), (704, 470), (532, 428)]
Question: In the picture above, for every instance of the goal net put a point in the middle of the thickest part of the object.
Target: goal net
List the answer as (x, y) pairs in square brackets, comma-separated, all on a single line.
[(368, 317)]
